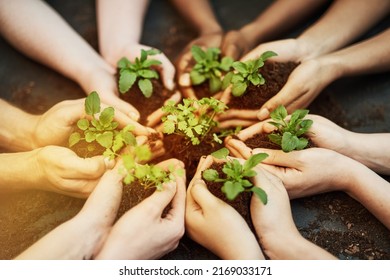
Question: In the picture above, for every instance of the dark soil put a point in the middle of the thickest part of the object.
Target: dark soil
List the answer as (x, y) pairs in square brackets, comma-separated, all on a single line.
[(86, 150), (144, 105), (132, 195), (178, 147), (241, 203), (202, 90), (361, 235), (275, 75)]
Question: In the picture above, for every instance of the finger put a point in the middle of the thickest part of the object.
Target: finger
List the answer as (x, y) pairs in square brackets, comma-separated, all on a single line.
[(121, 105), (238, 148), (177, 211), (155, 204), (185, 80), (235, 123), (168, 73), (204, 163), (279, 158), (183, 64), (188, 92), (85, 168), (257, 128), (202, 196), (238, 114), (232, 50), (155, 117)]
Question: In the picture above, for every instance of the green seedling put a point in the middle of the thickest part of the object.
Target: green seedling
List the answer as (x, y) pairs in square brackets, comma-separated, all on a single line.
[(193, 119), (139, 70), (102, 129), (289, 132), (237, 175), (209, 67), (246, 73), (149, 176)]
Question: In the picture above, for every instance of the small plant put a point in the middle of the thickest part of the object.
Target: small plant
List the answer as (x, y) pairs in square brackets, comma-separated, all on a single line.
[(237, 175), (246, 72), (102, 129), (193, 119), (288, 132), (148, 176), (208, 67), (141, 70)]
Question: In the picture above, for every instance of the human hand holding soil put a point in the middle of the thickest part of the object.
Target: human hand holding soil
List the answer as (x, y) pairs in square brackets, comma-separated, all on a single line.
[(141, 233), (216, 225)]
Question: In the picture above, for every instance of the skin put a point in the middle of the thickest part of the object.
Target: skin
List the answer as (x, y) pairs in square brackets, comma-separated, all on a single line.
[(59, 47), (216, 225)]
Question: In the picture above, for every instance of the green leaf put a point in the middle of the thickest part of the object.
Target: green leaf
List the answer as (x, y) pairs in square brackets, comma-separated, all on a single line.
[(221, 153), (117, 143), (254, 79), (151, 52), (126, 80), (226, 80), (150, 62), (214, 84), (128, 138), (128, 161), (239, 89), (146, 87), (105, 139), (148, 74), (107, 116), (83, 124), (254, 160), (289, 142), (267, 55), (197, 53), (143, 153), (240, 67), (303, 142), (210, 175), (226, 63), (144, 55), (261, 194), (275, 138), (92, 104), (280, 113), (123, 62), (169, 127), (231, 190), (196, 77), (90, 136), (74, 138)]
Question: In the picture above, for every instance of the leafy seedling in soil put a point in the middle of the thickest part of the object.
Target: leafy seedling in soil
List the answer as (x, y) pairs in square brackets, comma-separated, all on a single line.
[(141, 70), (246, 73), (102, 130), (193, 119), (237, 175), (289, 132), (209, 67)]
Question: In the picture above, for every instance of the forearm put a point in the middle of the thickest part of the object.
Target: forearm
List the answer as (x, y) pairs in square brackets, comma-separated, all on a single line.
[(17, 129), (278, 18), (200, 15), (119, 25), (344, 21), (372, 191), (371, 149), (47, 38)]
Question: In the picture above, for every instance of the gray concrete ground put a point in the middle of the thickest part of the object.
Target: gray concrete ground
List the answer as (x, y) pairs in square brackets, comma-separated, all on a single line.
[(334, 221)]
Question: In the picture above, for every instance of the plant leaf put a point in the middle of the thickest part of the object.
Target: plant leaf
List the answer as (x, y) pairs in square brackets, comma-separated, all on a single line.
[(126, 80), (214, 84), (107, 116), (254, 160), (275, 138), (239, 88), (105, 139), (146, 87), (226, 63), (198, 54), (90, 136), (226, 80), (240, 67), (74, 138), (221, 153), (267, 55), (123, 62), (92, 104), (83, 124), (289, 142), (148, 74), (196, 77), (231, 190), (261, 194), (280, 113), (210, 175), (150, 62), (303, 142)]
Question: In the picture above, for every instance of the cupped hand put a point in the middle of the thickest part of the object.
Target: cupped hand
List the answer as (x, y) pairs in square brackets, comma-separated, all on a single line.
[(216, 225), (184, 61), (141, 233), (60, 170), (55, 126)]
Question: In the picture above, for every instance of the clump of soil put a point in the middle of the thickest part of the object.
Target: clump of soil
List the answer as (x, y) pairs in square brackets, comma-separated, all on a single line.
[(361, 235), (241, 203), (132, 195), (146, 106), (202, 90), (87, 150), (176, 146), (275, 75)]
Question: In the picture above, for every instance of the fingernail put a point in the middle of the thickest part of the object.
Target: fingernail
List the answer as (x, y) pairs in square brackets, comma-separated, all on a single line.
[(263, 114), (109, 163), (133, 116), (185, 80), (170, 84)]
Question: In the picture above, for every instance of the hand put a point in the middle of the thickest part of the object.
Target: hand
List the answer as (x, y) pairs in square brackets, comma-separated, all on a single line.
[(274, 223), (60, 170), (235, 44), (183, 63), (216, 225), (55, 125), (142, 233)]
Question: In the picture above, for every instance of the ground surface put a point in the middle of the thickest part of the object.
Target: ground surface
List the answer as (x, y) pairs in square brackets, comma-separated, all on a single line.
[(334, 221)]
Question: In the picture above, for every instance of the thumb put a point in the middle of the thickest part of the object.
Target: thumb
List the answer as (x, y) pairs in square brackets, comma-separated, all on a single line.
[(91, 168), (157, 202), (202, 196), (279, 158)]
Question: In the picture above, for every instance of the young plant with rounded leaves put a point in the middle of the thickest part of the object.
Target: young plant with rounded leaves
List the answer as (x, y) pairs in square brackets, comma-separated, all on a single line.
[(102, 129), (209, 67), (237, 175), (147, 175), (140, 69), (289, 132), (193, 119), (246, 73)]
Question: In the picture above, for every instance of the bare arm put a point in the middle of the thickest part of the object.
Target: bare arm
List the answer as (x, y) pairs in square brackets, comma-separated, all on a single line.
[(344, 21)]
